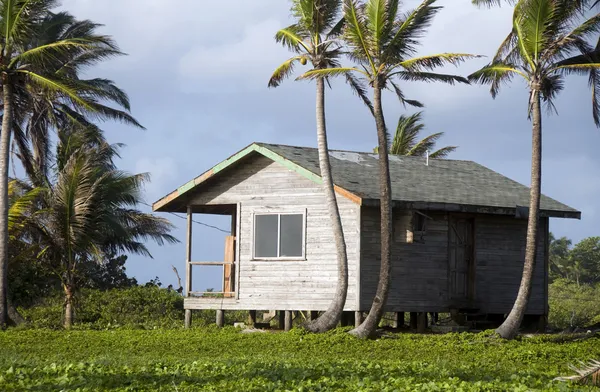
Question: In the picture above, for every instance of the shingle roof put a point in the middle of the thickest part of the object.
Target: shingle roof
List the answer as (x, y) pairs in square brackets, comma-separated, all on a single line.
[(443, 181), (448, 184)]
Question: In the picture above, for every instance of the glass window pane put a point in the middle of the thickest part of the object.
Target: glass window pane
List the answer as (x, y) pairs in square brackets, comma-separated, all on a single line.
[(265, 236), (291, 235)]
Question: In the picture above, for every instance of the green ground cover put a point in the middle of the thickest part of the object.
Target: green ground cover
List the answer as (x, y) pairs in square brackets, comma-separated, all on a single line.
[(227, 360)]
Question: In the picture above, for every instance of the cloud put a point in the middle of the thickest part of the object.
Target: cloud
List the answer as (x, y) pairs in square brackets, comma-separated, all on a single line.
[(243, 64), (162, 171)]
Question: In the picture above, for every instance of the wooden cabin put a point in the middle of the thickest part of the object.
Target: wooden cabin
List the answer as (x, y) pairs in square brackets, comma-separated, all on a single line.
[(458, 241)]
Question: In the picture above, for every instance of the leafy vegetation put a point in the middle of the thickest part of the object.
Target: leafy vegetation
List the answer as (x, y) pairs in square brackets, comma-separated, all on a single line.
[(227, 360)]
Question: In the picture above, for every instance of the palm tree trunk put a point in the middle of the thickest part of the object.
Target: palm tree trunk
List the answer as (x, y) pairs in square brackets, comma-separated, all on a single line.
[(369, 326), (68, 317), (332, 316), (510, 327), (5, 134)]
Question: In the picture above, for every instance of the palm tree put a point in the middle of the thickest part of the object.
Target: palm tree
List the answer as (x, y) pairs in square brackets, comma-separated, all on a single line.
[(381, 40), (89, 211), (40, 58), (313, 39), (406, 139), (548, 41)]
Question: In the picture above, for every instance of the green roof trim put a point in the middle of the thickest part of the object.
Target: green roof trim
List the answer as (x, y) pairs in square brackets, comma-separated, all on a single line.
[(254, 147)]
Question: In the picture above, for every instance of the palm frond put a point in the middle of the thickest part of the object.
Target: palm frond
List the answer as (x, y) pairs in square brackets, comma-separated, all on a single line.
[(495, 74), (359, 89), (586, 374), (443, 152), (402, 98), (290, 37), (356, 33), (429, 77), (283, 71), (327, 73), (434, 61)]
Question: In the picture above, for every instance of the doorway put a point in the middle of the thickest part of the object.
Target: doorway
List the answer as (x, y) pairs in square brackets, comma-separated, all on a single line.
[(461, 239)]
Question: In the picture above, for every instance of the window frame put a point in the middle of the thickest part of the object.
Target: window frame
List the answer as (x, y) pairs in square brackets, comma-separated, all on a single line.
[(279, 258)]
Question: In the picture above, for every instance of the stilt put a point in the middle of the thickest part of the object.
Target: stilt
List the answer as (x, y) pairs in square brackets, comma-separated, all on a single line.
[(413, 320), (188, 318), (288, 320), (398, 320), (358, 319), (220, 318), (421, 322), (281, 315), (313, 315), (542, 323), (252, 318)]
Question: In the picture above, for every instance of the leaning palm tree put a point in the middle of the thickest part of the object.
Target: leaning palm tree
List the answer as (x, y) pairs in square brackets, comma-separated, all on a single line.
[(32, 46), (548, 41), (382, 41), (90, 211), (406, 139), (313, 39)]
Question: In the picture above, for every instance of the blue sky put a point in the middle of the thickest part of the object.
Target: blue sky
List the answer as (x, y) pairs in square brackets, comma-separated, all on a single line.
[(197, 77)]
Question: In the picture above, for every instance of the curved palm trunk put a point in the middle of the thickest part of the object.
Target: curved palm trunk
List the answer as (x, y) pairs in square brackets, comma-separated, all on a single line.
[(333, 314), (68, 317), (369, 326), (5, 134), (510, 327)]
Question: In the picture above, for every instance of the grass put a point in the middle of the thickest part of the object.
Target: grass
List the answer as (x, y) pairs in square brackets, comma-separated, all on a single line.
[(226, 360)]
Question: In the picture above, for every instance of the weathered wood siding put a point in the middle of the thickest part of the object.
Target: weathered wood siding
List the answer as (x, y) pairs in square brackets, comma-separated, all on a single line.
[(420, 270), (260, 186), (500, 253)]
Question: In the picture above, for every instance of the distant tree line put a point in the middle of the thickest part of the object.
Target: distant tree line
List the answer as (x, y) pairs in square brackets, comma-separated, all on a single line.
[(579, 263)]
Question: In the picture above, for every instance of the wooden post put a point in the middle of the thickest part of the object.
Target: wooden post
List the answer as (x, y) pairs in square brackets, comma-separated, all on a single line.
[(188, 318), (358, 319), (220, 318), (413, 320), (398, 320), (188, 254), (252, 318), (313, 315), (288, 320), (228, 268), (422, 322), (281, 316)]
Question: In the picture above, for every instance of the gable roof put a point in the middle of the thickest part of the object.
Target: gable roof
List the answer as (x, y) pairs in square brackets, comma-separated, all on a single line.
[(444, 184)]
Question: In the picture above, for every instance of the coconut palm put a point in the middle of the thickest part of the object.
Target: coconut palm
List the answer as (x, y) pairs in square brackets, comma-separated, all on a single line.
[(41, 54), (382, 40), (90, 211), (313, 39), (548, 41), (406, 139)]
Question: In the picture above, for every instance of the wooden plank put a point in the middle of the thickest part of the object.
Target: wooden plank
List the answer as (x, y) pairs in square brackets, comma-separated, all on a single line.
[(228, 266), (211, 263), (188, 253)]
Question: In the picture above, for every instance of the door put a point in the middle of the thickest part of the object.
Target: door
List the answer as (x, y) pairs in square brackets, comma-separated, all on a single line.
[(461, 260)]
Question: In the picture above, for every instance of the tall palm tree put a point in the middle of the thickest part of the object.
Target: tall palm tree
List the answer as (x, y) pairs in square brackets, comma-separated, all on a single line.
[(90, 211), (382, 41), (313, 39), (406, 139), (548, 41), (33, 45)]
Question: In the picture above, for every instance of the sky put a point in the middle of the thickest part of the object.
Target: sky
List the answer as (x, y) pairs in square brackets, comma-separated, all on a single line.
[(197, 72)]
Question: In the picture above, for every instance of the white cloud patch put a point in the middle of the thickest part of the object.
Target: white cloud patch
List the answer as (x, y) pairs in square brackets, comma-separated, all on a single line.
[(243, 64), (162, 171)]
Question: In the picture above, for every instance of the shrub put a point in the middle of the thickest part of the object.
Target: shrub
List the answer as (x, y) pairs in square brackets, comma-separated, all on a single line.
[(135, 307), (573, 305)]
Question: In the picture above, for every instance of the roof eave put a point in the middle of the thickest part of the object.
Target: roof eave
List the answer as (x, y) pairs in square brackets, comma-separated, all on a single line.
[(454, 207)]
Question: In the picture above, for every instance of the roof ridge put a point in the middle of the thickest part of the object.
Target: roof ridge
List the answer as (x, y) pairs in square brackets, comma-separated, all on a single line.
[(358, 152)]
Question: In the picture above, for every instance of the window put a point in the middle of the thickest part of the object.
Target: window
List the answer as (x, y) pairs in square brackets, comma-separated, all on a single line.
[(279, 236)]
